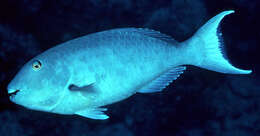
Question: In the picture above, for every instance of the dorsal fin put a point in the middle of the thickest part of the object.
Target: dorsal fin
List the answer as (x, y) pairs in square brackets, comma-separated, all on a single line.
[(152, 33), (163, 80)]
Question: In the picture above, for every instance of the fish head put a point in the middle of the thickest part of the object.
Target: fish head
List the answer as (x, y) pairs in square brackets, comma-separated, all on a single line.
[(40, 83)]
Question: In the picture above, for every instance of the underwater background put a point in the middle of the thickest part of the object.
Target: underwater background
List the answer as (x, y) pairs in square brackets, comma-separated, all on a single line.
[(199, 103)]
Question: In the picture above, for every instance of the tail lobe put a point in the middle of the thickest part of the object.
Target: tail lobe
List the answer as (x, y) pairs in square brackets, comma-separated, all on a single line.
[(207, 44)]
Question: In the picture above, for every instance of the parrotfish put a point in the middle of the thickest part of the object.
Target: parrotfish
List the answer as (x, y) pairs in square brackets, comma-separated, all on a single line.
[(81, 76)]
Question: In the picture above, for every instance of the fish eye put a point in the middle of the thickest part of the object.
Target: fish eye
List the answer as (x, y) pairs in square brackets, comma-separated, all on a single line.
[(36, 65)]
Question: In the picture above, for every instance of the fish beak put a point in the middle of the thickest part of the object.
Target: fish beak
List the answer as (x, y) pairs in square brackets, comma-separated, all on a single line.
[(12, 91)]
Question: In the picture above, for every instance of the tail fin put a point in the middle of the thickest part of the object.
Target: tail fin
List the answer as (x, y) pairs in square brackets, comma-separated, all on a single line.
[(208, 44)]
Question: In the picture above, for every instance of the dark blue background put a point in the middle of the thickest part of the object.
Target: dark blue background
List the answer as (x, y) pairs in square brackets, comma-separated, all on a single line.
[(199, 103)]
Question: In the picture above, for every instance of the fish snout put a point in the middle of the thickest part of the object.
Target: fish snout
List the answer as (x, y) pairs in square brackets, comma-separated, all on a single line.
[(12, 91)]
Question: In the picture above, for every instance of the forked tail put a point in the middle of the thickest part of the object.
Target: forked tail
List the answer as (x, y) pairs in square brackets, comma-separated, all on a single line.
[(205, 48)]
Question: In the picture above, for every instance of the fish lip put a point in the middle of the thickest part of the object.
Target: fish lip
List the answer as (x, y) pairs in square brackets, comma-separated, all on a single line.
[(13, 92)]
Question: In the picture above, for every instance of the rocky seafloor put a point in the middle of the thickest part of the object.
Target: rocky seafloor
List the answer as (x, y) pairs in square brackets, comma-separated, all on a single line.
[(199, 103)]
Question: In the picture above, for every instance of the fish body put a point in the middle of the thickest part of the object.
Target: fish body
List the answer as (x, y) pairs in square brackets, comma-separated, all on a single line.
[(84, 74)]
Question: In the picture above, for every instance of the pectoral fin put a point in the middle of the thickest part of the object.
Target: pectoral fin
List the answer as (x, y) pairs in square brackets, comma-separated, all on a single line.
[(84, 90), (97, 113), (73, 87)]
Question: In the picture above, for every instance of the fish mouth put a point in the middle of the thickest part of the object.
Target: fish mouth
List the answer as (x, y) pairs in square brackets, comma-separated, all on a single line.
[(12, 93)]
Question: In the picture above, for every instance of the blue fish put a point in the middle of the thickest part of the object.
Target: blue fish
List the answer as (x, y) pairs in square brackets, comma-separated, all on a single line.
[(82, 75)]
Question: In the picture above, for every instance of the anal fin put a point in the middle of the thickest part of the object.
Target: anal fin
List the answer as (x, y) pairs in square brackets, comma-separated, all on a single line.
[(159, 83), (96, 113)]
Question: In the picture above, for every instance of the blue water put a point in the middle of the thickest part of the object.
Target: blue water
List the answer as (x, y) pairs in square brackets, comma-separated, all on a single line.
[(199, 103)]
